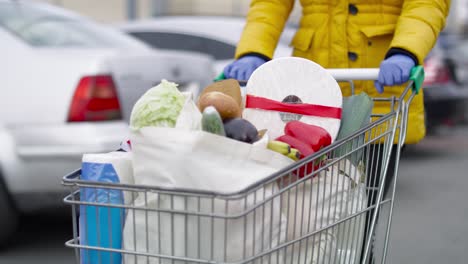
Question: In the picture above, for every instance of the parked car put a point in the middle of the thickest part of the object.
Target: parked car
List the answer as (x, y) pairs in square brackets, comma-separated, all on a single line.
[(216, 36), (68, 87), (446, 82)]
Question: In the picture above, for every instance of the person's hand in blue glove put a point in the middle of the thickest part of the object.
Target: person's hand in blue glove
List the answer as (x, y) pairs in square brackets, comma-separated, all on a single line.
[(242, 68), (394, 70)]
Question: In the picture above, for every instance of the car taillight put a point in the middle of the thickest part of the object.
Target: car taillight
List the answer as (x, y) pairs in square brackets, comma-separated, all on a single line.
[(436, 72), (95, 99)]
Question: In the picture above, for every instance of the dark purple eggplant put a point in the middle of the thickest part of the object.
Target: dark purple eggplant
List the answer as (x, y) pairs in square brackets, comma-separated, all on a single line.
[(241, 130)]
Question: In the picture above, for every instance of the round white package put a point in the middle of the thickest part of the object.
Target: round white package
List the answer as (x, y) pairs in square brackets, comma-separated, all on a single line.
[(293, 80)]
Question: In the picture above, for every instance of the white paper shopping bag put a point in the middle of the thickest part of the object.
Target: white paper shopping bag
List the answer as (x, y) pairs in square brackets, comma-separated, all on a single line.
[(314, 205), (209, 227)]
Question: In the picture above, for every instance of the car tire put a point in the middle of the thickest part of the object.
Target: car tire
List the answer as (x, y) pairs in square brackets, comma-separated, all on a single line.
[(9, 216)]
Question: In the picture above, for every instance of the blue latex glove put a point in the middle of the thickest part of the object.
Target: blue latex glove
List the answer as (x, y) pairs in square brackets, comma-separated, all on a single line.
[(242, 68), (394, 71)]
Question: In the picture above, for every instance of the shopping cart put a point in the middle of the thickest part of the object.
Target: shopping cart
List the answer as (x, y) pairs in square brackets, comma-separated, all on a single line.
[(337, 213)]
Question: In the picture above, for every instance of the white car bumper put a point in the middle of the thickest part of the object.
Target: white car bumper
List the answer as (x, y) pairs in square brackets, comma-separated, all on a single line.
[(37, 157)]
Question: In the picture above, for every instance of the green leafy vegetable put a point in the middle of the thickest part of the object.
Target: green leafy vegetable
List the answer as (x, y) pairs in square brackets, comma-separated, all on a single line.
[(160, 106)]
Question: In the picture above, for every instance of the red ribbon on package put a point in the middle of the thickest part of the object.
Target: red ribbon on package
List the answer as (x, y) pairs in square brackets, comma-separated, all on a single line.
[(257, 102)]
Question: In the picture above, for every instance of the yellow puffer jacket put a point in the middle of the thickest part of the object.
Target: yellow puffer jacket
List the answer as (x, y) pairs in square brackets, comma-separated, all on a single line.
[(352, 34)]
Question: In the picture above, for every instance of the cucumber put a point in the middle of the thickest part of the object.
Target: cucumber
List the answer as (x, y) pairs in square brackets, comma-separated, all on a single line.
[(212, 122), (356, 113)]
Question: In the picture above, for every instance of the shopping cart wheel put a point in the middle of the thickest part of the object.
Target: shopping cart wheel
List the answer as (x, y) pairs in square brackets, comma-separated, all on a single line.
[(9, 215)]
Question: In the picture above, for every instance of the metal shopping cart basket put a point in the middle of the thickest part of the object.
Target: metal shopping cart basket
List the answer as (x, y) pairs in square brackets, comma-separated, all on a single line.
[(337, 213)]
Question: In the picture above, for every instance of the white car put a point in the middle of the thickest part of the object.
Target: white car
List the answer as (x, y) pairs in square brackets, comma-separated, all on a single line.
[(68, 86), (216, 36)]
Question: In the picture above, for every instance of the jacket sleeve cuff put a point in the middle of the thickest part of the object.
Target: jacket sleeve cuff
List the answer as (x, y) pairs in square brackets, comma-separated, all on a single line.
[(395, 51), (256, 54)]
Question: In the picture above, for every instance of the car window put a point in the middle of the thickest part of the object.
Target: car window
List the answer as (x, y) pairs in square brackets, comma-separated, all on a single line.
[(38, 27), (177, 41)]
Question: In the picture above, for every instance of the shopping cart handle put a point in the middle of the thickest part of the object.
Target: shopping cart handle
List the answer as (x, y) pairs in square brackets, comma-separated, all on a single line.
[(417, 76), (339, 74), (220, 77), (361, 74), (364, 74)]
